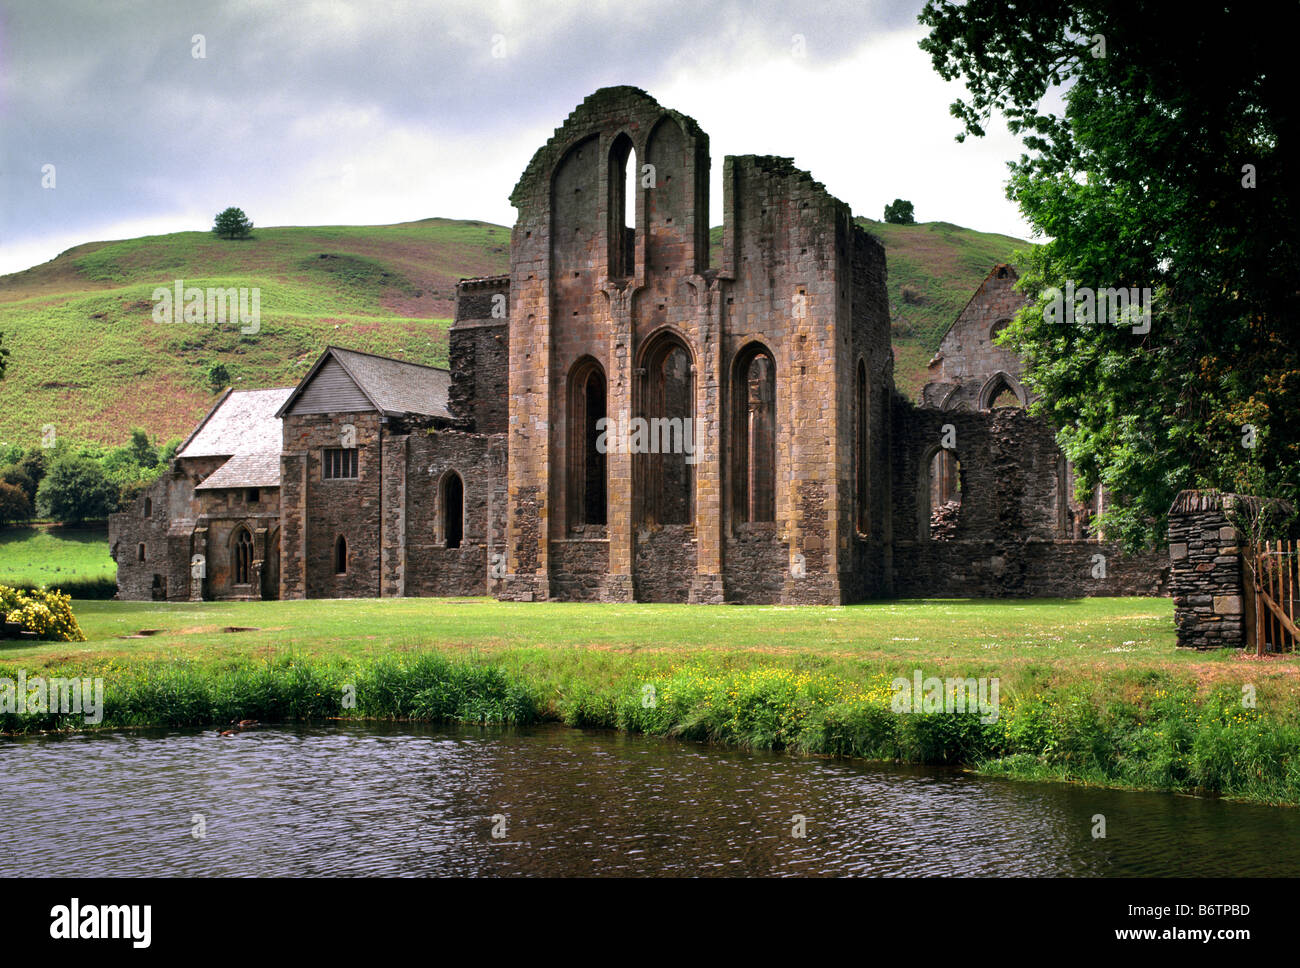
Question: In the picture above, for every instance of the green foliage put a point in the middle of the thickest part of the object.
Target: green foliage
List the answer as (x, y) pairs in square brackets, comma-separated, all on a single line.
[(76, 489), (899, 212), (47, 613), (4, 357), (16, 476), (1171, 168), (15, 505), (218, 377), (232, 223)]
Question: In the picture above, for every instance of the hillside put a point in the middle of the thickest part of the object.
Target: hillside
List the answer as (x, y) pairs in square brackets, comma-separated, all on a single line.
[(88, 358)]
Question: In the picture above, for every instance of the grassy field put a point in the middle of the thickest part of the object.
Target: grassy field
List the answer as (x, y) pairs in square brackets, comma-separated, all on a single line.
[(57, 557), (1092, 690), (87, 356)]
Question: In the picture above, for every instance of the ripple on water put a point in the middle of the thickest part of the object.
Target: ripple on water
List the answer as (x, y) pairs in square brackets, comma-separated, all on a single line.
[(406, 800)]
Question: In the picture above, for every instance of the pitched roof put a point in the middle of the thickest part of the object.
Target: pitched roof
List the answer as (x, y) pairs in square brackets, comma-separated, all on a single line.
[(245, 470), (242, 422), (394, 387)]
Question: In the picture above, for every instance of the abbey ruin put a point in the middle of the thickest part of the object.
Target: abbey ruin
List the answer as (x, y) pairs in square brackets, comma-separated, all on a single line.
[(771, 461)]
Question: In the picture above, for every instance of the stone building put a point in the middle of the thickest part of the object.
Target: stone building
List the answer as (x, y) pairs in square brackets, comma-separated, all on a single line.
[(218, 502), (625, 421)]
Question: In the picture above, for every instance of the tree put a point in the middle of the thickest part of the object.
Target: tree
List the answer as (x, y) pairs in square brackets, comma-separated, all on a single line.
[(144, 453), (76, 489), (232, 224), (4, 357), (14, 505), (20, 479), (1172, 168), (218, 377), (899, 212)]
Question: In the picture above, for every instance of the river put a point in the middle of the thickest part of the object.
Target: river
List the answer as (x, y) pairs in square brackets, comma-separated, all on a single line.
[(411, 800)]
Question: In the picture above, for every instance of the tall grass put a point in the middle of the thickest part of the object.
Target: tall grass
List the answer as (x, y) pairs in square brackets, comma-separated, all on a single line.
[(1169, 737)]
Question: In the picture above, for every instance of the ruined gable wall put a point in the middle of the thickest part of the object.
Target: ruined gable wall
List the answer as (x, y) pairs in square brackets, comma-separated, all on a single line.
[(969, 357)]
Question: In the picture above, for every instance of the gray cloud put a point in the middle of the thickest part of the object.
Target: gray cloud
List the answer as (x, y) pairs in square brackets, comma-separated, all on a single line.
[(110, 93)]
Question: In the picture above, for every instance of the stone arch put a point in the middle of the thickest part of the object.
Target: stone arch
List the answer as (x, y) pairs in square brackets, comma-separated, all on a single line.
[(622, 181), (666, 223), (995, 385), (665, 410), (939, 482), (586, 467), (753, 434)]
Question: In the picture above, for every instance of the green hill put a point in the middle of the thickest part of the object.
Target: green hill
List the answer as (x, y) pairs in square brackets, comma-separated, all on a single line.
[(88, 358)]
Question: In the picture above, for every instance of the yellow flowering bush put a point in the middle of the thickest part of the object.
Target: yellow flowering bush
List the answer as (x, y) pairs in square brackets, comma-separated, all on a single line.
[(47, 613)]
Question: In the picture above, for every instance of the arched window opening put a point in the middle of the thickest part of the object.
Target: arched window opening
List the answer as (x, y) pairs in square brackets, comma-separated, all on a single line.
[(944, 490), (1006, 398), (754, 436), (453, 510), (243, 556), (862, 450), (148, 507), (622, 207), (140, 553), (586, 470), (665, 446), (340, 555), (1001, 390)]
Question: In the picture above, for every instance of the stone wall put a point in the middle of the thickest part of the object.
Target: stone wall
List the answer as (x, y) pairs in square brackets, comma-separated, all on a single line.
[(1206, 579), (316, 511), (478, 354), (430, 566)]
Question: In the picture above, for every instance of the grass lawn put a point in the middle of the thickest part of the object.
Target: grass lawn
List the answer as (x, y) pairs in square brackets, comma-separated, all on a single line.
[(1092, 690), (55, 556), (1021, 641)]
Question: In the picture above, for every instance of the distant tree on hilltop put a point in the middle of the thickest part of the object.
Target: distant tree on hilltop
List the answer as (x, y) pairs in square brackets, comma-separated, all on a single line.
[(899, 212), (232, 224)]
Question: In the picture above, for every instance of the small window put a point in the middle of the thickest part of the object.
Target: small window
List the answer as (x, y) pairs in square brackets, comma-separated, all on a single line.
[(340, 463), (140, 553), (148, 507), (254, 496), (341, 555), (453, 510), (243, 557)]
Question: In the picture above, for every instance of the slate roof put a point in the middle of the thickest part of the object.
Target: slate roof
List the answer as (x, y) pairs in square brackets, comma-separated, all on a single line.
[(245, 470), (242, 422), (394, 387)]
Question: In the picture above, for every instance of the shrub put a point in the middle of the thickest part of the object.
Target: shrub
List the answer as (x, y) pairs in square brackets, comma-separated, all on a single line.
[(47, 613), (14, 505), (76, 489)]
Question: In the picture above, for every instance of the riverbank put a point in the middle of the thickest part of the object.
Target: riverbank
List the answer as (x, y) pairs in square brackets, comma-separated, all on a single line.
[(1090, 691)]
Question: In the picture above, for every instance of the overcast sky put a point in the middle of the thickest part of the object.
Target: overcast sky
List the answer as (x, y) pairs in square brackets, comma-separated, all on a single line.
[(319, 112)]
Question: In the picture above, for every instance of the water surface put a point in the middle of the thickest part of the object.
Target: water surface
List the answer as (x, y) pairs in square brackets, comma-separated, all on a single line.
[(409, 800)]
